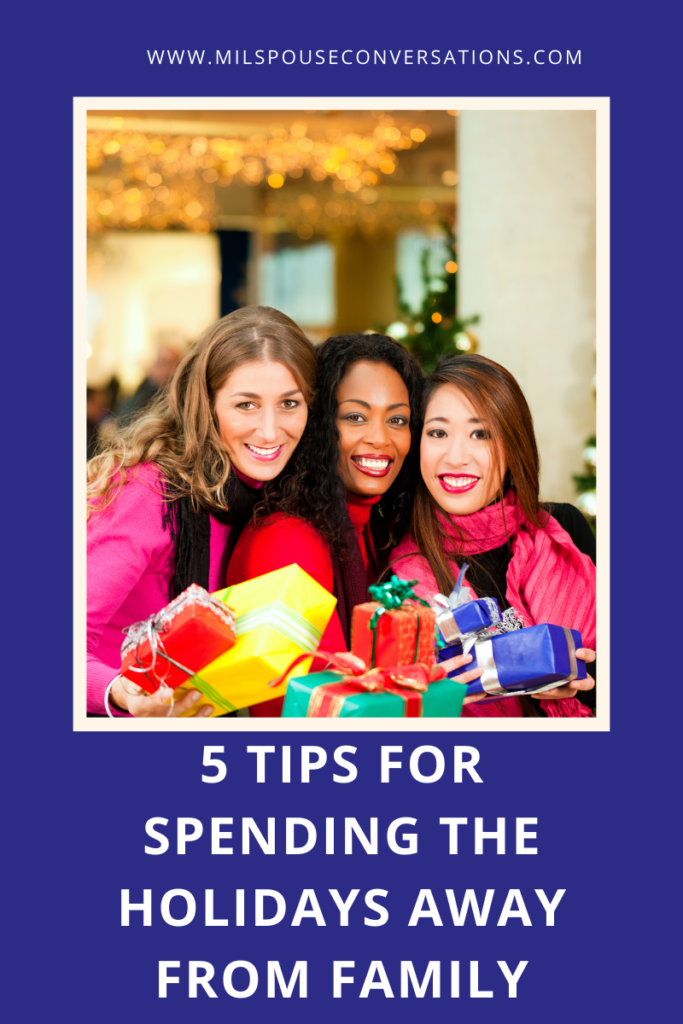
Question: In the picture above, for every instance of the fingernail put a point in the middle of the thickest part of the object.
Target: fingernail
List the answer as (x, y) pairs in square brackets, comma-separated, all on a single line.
[(195, 696), (468, 657), (206, 712)]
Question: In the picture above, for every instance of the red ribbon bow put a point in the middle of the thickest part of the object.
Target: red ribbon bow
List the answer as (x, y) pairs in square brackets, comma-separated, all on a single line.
[(408, 682)]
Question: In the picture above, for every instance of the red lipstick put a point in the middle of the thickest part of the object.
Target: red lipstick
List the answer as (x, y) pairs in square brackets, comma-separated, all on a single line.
[(373, 465), (462, 487)]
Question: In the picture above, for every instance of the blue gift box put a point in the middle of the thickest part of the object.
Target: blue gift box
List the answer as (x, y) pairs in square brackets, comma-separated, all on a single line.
[(457, 614), (469, 617), (522, 661)]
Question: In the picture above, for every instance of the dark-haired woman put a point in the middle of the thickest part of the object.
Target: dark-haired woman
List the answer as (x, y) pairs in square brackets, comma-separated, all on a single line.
[(355, 451), (477, 501), (167, 493), (347, 495)]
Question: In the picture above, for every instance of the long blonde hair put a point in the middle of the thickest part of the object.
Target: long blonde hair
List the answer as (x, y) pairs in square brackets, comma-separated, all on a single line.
[(178, 431)]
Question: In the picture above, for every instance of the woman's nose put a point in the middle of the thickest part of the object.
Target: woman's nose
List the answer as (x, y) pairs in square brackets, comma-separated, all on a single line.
[(377, 434), (267, 427), (458, 453)]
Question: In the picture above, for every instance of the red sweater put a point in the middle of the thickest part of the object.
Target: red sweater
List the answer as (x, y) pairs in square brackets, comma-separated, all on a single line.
[(282, 540)]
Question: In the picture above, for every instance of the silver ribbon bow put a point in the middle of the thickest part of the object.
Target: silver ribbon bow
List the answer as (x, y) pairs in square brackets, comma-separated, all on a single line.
[(151, 629), (445, 606)]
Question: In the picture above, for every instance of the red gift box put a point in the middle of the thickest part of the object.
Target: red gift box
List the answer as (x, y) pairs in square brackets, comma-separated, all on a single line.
[(178, 641), (405, 635)]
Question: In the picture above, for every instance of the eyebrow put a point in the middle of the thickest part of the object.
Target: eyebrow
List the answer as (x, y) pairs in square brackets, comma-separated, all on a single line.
[(250, 394), (443, 419), (359, 401)]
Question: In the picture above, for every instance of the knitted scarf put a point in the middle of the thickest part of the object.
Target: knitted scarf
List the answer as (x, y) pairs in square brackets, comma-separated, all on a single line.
[(190, 531), (548, 579)]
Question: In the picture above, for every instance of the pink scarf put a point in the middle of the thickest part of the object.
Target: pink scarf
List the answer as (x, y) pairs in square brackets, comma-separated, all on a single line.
[(548, 579)]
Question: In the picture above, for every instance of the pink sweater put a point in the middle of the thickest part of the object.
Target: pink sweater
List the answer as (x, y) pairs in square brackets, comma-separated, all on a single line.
[(130, 565)]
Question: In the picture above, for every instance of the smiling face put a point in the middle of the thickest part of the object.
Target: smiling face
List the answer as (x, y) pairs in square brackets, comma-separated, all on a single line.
[(373, 419), (261, 416), (456, 454)]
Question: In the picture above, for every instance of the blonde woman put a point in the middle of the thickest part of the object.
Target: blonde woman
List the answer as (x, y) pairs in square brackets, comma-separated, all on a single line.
[(169, 494)]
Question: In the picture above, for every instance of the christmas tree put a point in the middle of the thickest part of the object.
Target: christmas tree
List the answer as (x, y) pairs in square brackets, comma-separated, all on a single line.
[(435, 329)]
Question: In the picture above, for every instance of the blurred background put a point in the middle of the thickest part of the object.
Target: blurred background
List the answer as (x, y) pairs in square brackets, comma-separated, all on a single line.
[(451, 231)]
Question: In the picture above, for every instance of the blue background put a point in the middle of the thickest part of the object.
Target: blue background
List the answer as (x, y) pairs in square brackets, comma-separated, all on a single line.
[(75, 804)]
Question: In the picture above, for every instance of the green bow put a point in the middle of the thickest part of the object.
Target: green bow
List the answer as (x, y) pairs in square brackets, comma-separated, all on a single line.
[(392, 595)]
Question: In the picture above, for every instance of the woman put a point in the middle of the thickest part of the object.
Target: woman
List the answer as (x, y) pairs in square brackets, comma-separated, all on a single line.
[(477, 500), (168, 494), (356, 452), (346, 497)]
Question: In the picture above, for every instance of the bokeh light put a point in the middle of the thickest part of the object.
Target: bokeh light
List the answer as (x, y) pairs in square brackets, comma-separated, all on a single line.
[(156, 180)]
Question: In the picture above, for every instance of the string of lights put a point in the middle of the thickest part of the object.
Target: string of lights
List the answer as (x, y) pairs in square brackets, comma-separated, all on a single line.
[(144, 179)]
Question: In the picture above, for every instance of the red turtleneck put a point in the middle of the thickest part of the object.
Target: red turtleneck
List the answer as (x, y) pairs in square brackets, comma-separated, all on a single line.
[(284, 539), (359, 509)]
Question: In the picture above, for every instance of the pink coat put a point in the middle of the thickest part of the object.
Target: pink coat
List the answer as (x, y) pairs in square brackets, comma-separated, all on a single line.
[(130, 565)]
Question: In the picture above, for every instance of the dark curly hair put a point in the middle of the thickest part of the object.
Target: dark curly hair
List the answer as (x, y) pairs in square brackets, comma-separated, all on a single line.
[(311, 486)]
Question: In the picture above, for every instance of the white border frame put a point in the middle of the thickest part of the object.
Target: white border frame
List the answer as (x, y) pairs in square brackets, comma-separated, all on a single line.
[(601, 106)]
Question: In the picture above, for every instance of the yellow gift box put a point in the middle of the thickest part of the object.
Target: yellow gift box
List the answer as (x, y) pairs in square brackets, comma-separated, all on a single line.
[(277, 617)]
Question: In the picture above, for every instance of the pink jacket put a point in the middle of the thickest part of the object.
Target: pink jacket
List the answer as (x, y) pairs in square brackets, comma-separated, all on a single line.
[(130, 565)]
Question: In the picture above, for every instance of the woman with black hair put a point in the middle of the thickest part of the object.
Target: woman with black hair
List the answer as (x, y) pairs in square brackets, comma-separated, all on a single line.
[(346, 498)]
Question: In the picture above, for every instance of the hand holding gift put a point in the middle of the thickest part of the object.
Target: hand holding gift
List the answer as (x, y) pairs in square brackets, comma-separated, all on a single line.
[(564, 692), (514, 661), (164, 651), (531, 661), (130, 697), (270, 620), (570, 689)]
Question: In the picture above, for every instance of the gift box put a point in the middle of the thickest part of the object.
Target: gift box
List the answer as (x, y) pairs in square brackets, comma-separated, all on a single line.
[(334, 695), (471, 617), (391, 630), (172, 645), (278, 616), (458, 613), (523, 661)]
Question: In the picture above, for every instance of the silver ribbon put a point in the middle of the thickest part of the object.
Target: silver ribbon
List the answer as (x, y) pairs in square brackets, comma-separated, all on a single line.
[(151, 629), (445, 607), (489, 677)]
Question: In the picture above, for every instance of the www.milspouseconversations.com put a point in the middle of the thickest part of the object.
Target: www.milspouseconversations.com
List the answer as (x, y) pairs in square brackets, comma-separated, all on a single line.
[(221, 58)]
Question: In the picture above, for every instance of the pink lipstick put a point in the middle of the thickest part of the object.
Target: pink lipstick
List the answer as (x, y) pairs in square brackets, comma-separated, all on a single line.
[(264, 454)]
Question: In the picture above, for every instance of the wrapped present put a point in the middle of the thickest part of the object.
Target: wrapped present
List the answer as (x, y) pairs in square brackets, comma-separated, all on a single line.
[(278, 616), (523, 661), (392, 631), (404, 691), (459, 614), (172, 645)]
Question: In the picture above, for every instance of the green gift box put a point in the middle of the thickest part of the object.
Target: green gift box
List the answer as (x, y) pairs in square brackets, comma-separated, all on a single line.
[(333, 695)]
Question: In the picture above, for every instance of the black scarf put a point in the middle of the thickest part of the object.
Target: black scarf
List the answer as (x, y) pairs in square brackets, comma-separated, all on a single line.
[(191, 532)]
